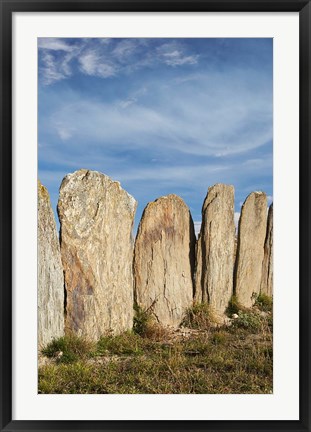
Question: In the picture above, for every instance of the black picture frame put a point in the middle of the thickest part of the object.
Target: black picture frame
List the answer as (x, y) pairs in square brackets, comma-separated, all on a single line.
[(7, 8)]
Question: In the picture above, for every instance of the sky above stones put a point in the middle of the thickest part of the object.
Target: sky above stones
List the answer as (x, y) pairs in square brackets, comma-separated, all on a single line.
[(159, 115)]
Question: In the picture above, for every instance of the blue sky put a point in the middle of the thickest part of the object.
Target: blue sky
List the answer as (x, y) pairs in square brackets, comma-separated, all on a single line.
[(159, 115)]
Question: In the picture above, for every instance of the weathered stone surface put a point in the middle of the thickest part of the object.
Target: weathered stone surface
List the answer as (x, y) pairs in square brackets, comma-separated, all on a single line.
[(164, 260), (50, 273), (267, 264), (96, 217), (216, 249), (250, 253)]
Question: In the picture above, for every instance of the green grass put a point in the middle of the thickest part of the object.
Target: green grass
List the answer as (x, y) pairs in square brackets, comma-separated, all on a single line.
[(250, 320), (264, 302), (142, 319), (234, 307), (221, 360), (68, 349), (126, 344)]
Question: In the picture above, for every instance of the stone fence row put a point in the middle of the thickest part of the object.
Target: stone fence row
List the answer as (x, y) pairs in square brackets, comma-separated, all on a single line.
[(90, 277)]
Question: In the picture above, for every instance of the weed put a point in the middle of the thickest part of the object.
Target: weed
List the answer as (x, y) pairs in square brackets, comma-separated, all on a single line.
[(141, 320), (199, 316), (219, 337), (264, 302), (234, 307), (145, 325), (248, 320), (67, 349)]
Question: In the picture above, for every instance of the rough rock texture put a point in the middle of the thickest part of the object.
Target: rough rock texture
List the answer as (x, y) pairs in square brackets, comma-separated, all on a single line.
[(250, 253), (96, 217), (267, 265), (216, 249), (50, 273), (164, 260)]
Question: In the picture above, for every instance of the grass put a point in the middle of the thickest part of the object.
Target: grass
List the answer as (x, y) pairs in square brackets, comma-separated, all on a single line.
[(200, 316), (250, 320), (234, 307), (68, 349), (214, 360), (264, 302), (146, 325), (126, 344)]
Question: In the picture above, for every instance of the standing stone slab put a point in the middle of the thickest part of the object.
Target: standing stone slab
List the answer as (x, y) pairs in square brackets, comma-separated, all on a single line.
[(267, 265), (216, 249), (50, 273), (164, 260), (250, 253), (96, 217)]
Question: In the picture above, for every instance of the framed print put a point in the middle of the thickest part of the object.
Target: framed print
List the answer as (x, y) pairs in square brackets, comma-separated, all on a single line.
[(155, 215)]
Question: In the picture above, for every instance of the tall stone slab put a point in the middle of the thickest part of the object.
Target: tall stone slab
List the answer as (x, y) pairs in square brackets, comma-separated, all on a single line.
[(216, 249), (250, 252), (267, 265), (50, 273), (96, 217), (164, 260)]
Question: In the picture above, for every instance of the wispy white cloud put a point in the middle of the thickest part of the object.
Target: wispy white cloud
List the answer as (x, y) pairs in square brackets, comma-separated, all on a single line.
[(55, 44), (173, 54), (176, 58), (214, 123), (132, 98), (56, 56), (127, 102), (64, 132), (173, 175), (92, 63), (88, 62), (106, 58), (124, 50), (51, 70), (103, 41)]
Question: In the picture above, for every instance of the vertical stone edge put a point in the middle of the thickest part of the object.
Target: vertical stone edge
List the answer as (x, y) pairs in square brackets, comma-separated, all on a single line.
[(50, 273), (267, 265)]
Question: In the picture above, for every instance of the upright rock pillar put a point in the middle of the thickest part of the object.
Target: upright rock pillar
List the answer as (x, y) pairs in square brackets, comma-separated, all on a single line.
[(216, 249), (50, 274), (96, 217), (250, 252), (164, 260), (267, 265)]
